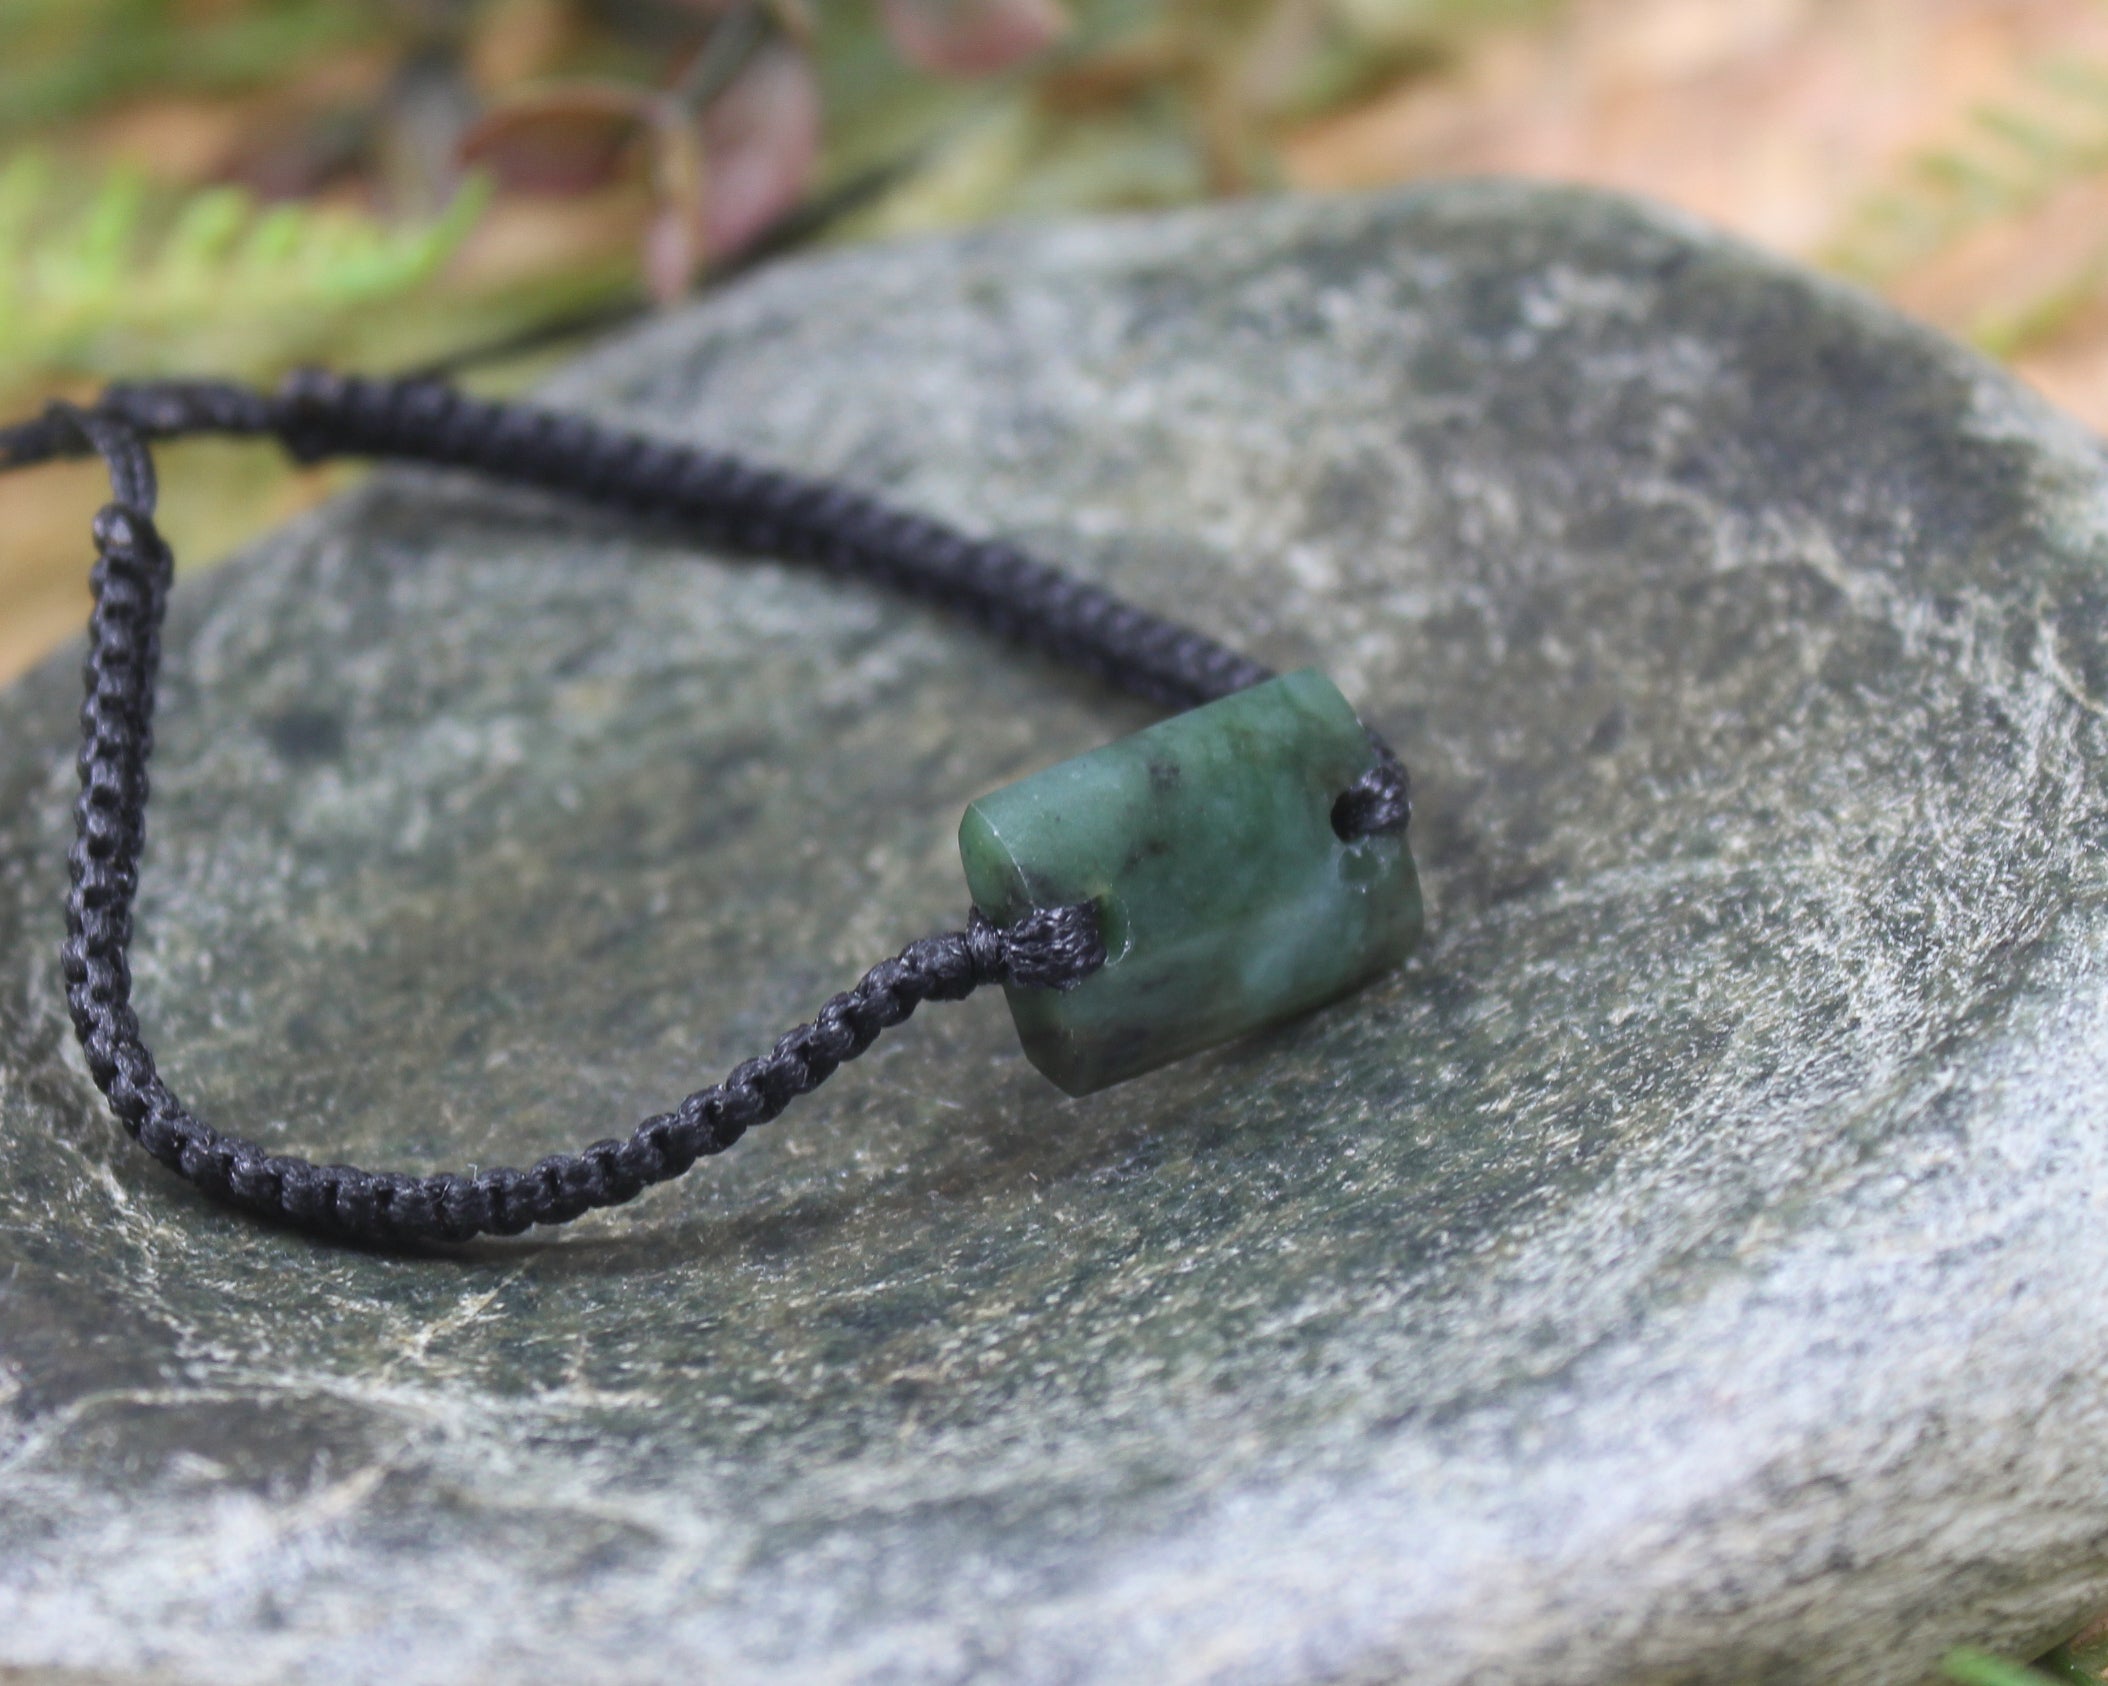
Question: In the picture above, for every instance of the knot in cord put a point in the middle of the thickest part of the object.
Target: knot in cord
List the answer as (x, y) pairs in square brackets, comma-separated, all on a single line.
[(127, 538), (1049, 948), (1381, 800)]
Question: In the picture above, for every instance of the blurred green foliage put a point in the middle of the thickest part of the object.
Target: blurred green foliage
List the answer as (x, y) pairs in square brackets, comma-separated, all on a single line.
[(965, 109), (2010, 162), (962, 109), (62, 58), (101, 278)]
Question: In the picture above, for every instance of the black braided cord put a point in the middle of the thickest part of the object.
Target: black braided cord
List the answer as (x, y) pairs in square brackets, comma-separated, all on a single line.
[(727, 503)]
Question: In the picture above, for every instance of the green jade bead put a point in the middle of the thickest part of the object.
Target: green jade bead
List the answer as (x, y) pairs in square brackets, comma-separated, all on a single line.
[(1227, 901)]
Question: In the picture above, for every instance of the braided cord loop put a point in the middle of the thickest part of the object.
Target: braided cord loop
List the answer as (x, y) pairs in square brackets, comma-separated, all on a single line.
[(714, 497)]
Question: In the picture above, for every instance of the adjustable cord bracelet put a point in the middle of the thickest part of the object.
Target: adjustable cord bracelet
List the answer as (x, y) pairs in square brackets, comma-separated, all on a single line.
[(1230, 868)]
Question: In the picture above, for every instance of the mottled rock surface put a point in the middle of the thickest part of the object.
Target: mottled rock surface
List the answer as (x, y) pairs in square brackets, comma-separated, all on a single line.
[(1692, 1267)]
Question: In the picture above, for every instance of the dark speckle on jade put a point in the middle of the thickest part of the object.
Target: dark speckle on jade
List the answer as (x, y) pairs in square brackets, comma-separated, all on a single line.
[(1228, 901)]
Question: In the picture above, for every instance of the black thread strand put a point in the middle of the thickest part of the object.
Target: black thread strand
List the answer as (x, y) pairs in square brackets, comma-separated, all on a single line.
[(719, 498)]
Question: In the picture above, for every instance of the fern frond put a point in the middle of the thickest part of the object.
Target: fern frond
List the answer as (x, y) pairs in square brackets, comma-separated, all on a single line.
[(2040, 144), (1977, 185), (118, 283), (2019, 328), (2078, 79), (2011, 160)]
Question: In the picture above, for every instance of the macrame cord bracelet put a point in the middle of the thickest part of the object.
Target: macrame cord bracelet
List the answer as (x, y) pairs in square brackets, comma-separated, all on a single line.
[(1265, 828)]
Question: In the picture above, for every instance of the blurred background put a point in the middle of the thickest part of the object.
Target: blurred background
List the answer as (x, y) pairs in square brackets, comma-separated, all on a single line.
[(236, 186)]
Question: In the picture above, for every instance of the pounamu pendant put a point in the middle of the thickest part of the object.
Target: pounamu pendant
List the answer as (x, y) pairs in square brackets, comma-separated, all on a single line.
[(1227, 901)]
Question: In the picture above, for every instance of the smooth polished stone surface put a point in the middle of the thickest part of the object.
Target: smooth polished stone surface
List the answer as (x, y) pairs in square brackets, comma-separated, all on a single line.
[(1227, 902), (1690, 1266)]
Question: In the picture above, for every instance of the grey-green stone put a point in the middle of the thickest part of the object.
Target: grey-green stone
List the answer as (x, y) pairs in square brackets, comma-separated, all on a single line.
[(1691, 1265), (1226, 900)]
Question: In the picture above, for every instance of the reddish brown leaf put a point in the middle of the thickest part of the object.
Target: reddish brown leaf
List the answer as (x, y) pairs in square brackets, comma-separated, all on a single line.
[(1118, 73), (761, 147), (971, 37), (569, 138)]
